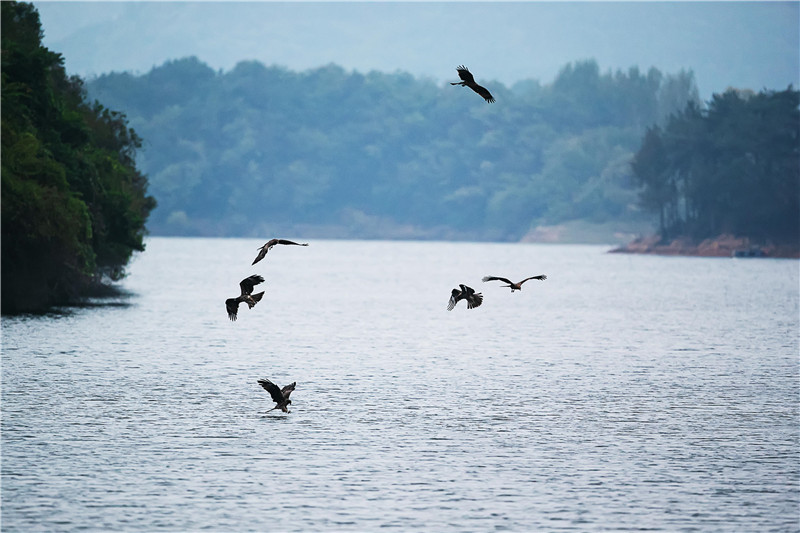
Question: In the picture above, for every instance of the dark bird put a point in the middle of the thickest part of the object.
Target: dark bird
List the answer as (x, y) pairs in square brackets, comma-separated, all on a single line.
[(270, 243), (468, 81), (514, 286), (279, 396), (474, 299), (247, 296)]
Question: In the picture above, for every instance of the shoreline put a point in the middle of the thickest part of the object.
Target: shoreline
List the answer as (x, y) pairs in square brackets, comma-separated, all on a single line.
[(721, 246)]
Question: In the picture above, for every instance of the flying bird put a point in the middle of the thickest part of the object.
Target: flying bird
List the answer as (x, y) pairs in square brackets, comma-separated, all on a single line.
[(474, 299), (279, 396), (514, 286), (468, 81), (268, 246), (247, 296)]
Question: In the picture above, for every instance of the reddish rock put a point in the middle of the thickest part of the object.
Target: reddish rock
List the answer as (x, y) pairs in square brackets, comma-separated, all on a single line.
[(722, 246)]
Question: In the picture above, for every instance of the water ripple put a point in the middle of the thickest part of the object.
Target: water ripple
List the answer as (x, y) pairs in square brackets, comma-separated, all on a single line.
[(575, 406)]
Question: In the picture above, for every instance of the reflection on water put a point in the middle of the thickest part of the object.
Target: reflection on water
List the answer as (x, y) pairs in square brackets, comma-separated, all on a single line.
[(623, 392)]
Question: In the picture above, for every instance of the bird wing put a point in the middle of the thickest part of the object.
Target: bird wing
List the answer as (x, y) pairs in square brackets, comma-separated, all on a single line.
[(232, 305), (249, 282), (455, 296), (483, 91), (541, 278), (496, 278), (287, 390), (468, 291), (284, 241), (465, 74), (262, 252), (272, 389)]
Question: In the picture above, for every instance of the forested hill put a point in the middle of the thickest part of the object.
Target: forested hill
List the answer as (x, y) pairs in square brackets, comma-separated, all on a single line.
[(74, 204), (327, 152), (731, 168)]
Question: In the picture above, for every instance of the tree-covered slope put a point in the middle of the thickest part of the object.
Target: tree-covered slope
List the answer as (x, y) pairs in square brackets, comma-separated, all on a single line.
[(339, 153), (732, 167), (74, 204)]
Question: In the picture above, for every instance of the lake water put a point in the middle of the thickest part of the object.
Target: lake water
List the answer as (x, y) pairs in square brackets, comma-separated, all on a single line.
[(622, 393)]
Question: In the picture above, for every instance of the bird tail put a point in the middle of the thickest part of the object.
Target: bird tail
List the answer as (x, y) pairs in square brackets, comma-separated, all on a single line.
[(476, 301), (256, 298)]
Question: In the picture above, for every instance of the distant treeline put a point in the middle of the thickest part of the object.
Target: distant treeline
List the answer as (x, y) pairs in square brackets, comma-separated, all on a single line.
[(733, 167), (261, 147), (73, 203)]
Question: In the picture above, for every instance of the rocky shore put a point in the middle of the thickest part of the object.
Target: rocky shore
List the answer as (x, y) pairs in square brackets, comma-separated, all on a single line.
[(721, 246)]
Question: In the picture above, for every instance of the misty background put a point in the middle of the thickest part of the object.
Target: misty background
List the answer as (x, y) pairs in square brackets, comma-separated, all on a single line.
[(727, 44), (337, 119)]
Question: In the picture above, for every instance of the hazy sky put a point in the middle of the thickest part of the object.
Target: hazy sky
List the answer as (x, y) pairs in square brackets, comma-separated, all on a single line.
[(741, 44)]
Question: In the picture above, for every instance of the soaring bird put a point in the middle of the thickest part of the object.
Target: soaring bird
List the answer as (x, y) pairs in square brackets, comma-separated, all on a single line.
[(474, 299), (247, 296), (514, 286), (469, 81), (279, 396), (268, 246)]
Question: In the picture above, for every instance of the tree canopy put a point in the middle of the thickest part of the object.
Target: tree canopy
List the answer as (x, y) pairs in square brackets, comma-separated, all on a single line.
[(74, 204), (733, 167), (256, 148)]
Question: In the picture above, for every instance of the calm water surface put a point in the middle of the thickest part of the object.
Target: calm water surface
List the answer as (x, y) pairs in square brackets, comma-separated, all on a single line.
[(623, 393)]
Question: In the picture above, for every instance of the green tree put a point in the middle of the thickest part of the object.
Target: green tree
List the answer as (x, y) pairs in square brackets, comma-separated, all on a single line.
[(261, 146), (731, 168), (73, 203)]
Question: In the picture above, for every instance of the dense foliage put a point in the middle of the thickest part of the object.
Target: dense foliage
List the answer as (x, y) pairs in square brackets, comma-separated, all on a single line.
[(386, 154), (73, 203), (733, 167)]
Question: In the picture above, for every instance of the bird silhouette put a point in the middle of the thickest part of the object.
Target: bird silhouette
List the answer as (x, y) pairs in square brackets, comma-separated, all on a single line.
[(514, 286), (247, 296), (279, 396), (262, 251), (467, 80), (474, 299)]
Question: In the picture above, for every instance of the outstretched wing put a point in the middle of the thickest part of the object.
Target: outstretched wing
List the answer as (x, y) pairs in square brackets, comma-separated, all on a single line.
[(248, 283), (455, 295), (284, 241), (465, 74), (262, 252), (495, 278), (287, 390), (541, 278), (272, 389), (483, 91), (232, 305)]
